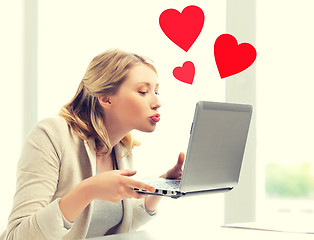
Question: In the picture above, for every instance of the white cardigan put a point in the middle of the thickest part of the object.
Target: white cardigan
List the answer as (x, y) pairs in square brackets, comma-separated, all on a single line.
[(53, 161)]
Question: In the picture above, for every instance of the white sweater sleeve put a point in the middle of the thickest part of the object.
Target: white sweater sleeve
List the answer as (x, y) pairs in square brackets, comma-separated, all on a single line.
[(34, 214), (51, 221)]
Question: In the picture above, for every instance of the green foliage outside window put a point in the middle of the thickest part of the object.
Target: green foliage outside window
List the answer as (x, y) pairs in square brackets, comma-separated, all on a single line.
[(289, 182)]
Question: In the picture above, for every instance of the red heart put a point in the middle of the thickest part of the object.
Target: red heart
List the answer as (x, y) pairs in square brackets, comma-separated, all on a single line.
[(232, 58), (182, 28), (185, 73)]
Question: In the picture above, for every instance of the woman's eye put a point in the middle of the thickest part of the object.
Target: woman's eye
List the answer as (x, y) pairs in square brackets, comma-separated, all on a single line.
[(141, 92), (157, 93)]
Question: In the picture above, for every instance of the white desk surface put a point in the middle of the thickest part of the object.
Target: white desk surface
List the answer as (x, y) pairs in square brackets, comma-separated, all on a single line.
[(215, 234)]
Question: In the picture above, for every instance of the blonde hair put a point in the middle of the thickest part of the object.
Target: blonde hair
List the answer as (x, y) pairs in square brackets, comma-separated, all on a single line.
[(103, 77)]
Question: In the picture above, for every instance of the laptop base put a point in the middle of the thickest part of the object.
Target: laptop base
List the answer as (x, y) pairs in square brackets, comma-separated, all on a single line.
[(177, 194)]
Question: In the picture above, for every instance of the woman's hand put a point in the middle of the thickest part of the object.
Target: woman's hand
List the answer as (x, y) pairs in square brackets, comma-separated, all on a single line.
[(176, 171), (116, 185), (110, 186), (151, 202)]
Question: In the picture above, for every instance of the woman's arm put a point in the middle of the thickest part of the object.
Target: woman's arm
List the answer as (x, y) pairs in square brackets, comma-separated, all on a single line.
[(33, 213), (110, 186), (74, 202)]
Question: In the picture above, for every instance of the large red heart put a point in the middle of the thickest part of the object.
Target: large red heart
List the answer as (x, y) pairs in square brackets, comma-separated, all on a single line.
[(185, 73), (182, 28), (232, 58)]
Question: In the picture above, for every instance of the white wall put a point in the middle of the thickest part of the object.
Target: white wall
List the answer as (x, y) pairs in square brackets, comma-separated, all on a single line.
[(11, 118)]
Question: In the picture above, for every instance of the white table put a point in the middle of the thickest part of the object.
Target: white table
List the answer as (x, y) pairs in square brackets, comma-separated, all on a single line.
[(215, 234)]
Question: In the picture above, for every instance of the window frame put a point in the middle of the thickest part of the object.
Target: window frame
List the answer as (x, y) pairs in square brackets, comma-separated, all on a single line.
[(241, 88)]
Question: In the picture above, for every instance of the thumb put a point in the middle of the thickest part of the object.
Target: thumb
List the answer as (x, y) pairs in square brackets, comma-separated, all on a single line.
[(127, 172), (180, 160)]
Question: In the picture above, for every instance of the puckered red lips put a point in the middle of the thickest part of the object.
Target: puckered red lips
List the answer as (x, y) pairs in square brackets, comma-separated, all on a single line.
[(155, 118)]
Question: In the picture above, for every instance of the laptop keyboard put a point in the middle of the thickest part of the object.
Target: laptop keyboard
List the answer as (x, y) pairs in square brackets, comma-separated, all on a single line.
[(163, 183)]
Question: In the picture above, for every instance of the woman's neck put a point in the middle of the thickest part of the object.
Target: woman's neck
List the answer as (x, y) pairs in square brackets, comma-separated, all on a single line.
[(116, 133)]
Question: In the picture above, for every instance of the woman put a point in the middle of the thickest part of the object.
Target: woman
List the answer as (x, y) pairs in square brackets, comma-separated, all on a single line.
[(73, 175)]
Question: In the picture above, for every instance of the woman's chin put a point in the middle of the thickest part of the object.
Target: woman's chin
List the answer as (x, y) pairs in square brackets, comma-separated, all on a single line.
[(148, 129)]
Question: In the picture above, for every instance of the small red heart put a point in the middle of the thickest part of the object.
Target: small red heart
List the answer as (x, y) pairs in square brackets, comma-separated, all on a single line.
[(232, 58), (182, 28), (185, 73)]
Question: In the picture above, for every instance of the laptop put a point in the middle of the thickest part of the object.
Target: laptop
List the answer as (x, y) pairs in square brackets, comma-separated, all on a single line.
[(215, 151)]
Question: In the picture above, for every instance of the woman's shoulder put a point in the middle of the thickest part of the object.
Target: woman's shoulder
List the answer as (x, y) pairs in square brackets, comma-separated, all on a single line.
[(52, 122), (55, 126), (53, 131)]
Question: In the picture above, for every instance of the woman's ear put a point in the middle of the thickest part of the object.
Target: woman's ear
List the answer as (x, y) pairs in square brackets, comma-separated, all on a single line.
[(104, 101)]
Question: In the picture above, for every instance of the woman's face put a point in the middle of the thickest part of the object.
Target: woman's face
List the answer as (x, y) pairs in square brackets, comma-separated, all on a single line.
[(135, 105)]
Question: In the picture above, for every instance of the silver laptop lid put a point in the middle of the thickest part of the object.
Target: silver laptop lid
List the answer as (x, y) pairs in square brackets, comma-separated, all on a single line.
[(216, 146)]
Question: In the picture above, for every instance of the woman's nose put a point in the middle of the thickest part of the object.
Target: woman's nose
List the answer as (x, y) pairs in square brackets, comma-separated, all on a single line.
[(156, 104)]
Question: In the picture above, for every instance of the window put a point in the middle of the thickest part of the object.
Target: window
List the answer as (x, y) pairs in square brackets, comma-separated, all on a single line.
[(285, 117)]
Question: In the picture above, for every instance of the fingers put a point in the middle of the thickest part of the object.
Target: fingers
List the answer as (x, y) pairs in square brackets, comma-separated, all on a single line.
[(176, 171), (140, 185), (132, 194), (181, 156), (133, 183), (180, 161), (127, 172)]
